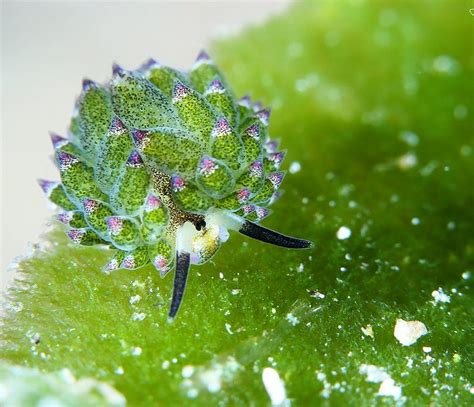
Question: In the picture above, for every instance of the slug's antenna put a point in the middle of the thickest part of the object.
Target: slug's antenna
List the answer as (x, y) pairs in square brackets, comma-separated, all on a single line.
[(258, 232), (180, 278)]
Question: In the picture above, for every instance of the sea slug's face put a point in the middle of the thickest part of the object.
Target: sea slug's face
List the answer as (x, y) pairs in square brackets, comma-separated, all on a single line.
[(160, 164)]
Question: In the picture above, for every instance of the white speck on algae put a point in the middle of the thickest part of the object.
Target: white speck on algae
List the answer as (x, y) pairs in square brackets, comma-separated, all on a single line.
[(409, 138), (274, 386), (187, 371), (343, 233), (227, 328), (376, 375), (138, 316), (407, 161), (389, 389), (408, 332), (440, 296), (292, 319), (295, 167), (135, 299), (368, 331), (211, 378), (316, 294), (352, 204)]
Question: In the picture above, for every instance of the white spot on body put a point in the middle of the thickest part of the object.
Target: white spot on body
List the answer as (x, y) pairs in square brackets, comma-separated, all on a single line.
[(408, 332), (343, 233), (274, 386)]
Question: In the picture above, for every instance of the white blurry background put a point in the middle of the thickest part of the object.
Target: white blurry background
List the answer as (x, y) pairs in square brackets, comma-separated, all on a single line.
[(46, 50)]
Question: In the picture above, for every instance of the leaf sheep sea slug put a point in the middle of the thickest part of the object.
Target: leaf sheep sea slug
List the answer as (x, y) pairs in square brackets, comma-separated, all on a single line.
[(159, 164)]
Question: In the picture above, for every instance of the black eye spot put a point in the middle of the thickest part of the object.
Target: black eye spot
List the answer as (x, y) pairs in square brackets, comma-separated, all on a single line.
[(200, 224)]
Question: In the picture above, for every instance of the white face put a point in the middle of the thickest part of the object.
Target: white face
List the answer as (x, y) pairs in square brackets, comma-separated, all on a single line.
[(203, 244)]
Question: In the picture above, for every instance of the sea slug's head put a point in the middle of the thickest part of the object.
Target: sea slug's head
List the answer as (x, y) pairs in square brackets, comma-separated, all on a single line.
[(160, 164)]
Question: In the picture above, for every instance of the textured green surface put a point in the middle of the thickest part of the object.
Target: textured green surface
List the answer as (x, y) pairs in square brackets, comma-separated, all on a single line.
[(375, 103)]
